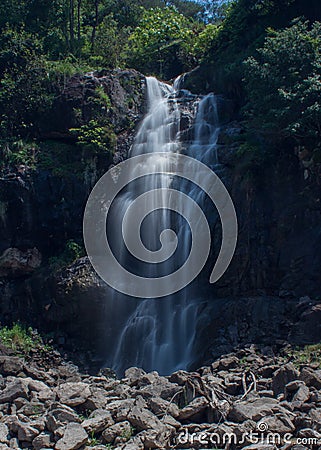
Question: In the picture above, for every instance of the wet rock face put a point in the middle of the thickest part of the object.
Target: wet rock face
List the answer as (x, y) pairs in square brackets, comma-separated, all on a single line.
[(15, 263), (57, 408), (120, 100), (266, 295)]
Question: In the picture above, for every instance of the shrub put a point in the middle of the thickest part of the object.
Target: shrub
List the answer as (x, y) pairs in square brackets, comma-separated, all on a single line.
[(20, 338)]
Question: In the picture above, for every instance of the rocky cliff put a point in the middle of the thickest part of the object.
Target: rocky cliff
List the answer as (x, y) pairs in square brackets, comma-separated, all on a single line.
[(270, 294)]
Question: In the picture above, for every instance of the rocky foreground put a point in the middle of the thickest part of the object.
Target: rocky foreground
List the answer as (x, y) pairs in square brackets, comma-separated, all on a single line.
[(243, 400)]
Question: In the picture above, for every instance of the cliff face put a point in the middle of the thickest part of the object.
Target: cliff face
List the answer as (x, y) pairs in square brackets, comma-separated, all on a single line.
[(269, 295)]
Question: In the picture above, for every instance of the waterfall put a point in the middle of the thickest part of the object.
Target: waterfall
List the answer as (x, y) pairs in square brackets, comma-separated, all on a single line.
[(159, 334)]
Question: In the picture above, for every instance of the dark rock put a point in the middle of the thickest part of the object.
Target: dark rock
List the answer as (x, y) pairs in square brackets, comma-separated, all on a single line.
[(282, 377), (17, 263), (73, 394), (11, 365), (311, 377), (15, 389), (118, 429), (97, 422), (194, 408), (73, 438)]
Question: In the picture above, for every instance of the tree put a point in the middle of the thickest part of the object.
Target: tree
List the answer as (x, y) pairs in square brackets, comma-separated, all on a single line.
[(162, 42), (24, 90), (283, 83)]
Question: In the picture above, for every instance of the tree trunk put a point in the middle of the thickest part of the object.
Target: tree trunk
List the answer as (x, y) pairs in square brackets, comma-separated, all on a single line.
[(95, 25), (78, 19), (71, 24)]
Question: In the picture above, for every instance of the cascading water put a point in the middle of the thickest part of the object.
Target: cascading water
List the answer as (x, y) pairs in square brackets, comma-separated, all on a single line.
[(158, 334)]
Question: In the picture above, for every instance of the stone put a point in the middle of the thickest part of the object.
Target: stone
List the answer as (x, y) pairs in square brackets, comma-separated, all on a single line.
[(156, 438), (73, 394), (13, 390), (97, 421), (160, 388), (143, 419), (4, 431), (60, 416), (122, 429), (229, 362), (277, 424), (253, 410), (133, 374), (26, 432), (282, 377), (97, 399), (74, 437), (43, 440), (196, 406), (302, 395), (311, 377), (11, 365), (16, 263), (119, 409), (180, 377), (309, 433), (134, 443), (160, 406), (294, 385)]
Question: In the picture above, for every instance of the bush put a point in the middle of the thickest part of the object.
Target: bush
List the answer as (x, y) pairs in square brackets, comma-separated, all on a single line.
[(283, 84), (20, 338), (71, 252), (95, 137)]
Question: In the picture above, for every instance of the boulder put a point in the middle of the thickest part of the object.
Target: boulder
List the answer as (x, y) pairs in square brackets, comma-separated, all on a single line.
[(120, 429), (60, 416), (196, 406), (282, 377), (159, 406), (133, 374), (43, 440), (252, 410), (11, 365), (143, 419), (278, 423), (302, 395), (17, 263), (311, 377), (73, 438), (14, 389), (26, 432), (97, 421), (4, 431), (73, 394)]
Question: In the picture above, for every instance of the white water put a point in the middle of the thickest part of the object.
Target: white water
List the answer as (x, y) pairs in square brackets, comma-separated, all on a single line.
[(158, 334)]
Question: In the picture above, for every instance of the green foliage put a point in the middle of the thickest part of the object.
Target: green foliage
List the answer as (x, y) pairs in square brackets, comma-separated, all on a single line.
[(162, 42), (205, 40), (18, 153), (310, 354), (283, 83), (95, 137), (110, 44), (71, 252), (62, 159), (24, 87), (19, 338)]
